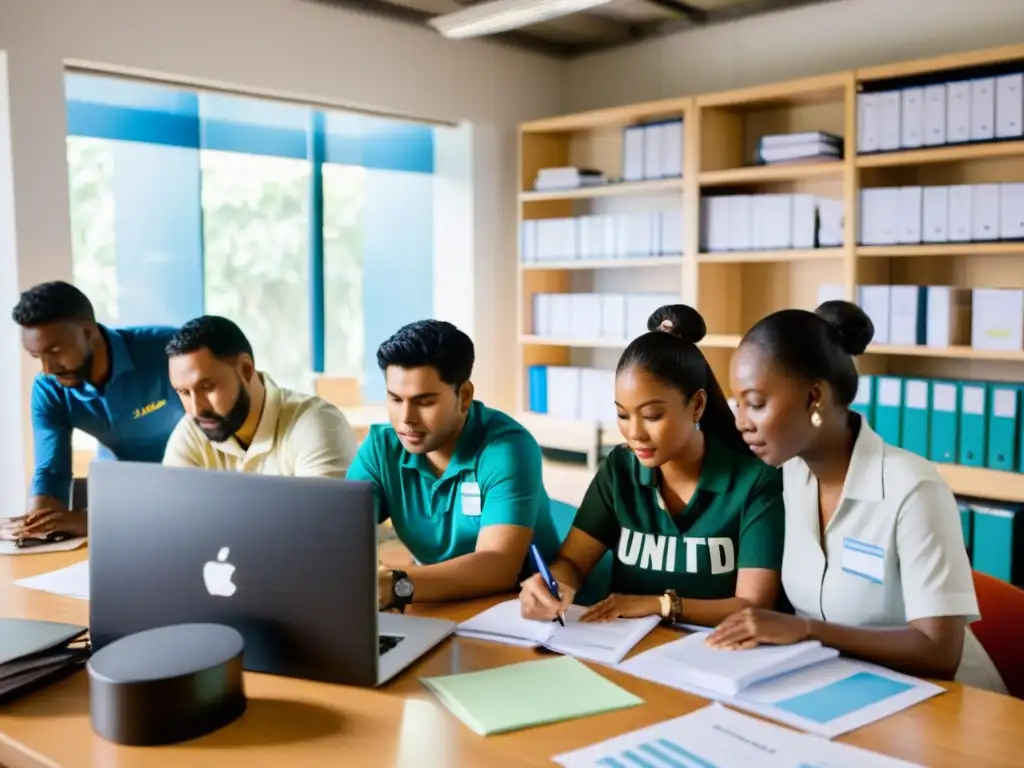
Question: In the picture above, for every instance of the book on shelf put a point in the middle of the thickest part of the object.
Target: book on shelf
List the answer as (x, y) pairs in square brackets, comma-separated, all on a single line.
[(553, 179)]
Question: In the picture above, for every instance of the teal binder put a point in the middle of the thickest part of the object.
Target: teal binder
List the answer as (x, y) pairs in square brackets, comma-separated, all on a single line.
[(1003, 421), (889, 408), (973, 423), (917, 396), (864, 402), (945, 422), (966, 524), (994, 541)]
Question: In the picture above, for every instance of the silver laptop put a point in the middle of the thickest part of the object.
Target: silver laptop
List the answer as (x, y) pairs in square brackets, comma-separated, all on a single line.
[(291, 563)]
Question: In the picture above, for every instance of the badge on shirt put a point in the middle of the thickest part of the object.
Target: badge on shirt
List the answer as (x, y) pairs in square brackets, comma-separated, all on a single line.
[(470, 499), (864, 560)]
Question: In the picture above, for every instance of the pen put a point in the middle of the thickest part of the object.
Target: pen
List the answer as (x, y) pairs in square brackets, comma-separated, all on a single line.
[(53, 538), (542, 569)]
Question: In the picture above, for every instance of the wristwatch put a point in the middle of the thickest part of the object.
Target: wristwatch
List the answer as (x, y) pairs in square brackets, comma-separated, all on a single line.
[(671, 608), (401, 590)]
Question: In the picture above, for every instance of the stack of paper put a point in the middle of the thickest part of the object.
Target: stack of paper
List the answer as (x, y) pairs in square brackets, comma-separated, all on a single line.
[(72, 581), (602, 642), (527, 694), (716, 736)]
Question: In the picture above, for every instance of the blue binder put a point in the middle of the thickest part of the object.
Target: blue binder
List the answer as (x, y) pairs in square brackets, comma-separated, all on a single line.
[(889, 408), (966, 524), (1003, 421), (995, 541), (864, 402), (945, 422), (973, 423), (538, 385), (916, 410)]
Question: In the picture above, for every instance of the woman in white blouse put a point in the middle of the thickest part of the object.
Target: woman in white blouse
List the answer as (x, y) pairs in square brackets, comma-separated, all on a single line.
[(874, 561)]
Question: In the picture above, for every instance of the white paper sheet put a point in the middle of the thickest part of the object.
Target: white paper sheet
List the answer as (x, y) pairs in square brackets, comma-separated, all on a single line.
[(10, 548), (716, 737), (829, 699), (72, 581)]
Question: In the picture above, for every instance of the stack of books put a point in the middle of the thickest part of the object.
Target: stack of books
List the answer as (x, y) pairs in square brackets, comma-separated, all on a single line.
[(791, 147), (549, 179)]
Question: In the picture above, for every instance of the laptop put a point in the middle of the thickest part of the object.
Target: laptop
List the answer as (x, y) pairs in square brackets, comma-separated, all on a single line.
[(291, 563)]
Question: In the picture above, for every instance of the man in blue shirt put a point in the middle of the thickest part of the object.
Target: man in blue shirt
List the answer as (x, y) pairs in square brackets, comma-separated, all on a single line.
[(461, 482), (111, 384)]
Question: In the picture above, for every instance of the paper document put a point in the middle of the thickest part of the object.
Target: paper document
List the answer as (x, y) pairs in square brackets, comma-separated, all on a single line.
[(72, 581), (829, 698), (602, 642), (716, 737), (10, 548), (529, 693), (692, 661)]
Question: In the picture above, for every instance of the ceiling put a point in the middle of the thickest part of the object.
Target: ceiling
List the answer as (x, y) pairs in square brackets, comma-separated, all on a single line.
[(616, 23)]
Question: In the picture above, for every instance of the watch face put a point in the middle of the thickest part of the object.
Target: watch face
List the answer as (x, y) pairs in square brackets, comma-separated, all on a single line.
[(403, 588)]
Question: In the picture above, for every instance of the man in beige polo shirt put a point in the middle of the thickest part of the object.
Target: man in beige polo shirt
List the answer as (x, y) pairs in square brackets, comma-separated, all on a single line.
[(238, 419)]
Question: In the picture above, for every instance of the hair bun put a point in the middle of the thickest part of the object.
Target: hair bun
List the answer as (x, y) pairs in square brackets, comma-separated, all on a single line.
[(680, 321), (851, 324)]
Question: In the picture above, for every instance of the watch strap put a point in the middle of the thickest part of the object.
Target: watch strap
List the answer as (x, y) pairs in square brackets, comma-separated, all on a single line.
[(399, 601)]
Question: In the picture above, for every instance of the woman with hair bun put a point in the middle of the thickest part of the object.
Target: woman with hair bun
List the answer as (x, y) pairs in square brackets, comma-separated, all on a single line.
[(874, 563), (694, 520)]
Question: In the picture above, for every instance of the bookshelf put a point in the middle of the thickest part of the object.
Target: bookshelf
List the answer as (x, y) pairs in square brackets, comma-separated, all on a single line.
[(734, 288)]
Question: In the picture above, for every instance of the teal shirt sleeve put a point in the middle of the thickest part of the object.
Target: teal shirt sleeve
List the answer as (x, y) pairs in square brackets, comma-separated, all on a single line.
[(366, 466), (511, 481), (596, 515), (763, 525), (51, 435)]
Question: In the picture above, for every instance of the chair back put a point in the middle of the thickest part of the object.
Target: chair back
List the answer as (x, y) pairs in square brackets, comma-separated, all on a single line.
[(1001, 628)]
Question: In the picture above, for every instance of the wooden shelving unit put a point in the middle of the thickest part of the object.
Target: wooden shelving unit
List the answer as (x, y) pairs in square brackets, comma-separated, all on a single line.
[(733, 290)]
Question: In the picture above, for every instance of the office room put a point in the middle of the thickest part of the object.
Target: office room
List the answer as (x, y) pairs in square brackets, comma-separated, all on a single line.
[(264, 262)]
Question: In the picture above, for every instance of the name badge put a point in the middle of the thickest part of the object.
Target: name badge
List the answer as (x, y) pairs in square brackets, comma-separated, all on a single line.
[(470, 493), (864, 560)]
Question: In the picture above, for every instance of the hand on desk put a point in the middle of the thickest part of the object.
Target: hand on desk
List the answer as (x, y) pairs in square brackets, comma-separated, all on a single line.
[(42, 522), (623, 607), (753, 626), (537, 602)]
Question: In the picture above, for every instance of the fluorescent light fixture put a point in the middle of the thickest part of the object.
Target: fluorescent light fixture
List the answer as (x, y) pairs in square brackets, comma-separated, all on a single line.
[(502, 15)]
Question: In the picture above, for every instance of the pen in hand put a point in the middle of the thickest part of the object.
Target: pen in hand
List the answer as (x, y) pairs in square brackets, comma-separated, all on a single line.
[(549, 580)]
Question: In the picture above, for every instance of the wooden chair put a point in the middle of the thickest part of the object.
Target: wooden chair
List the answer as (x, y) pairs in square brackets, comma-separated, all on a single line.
[(1001, 628)]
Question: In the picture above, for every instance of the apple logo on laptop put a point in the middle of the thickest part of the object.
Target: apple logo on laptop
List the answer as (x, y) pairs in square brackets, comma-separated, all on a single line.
[(217, 575)]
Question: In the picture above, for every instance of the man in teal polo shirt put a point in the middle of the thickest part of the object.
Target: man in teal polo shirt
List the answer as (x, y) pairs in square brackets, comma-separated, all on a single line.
[(110, 384), (461, 482)]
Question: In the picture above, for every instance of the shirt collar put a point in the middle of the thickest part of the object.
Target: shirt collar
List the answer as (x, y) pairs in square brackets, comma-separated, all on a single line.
[(864, 477), (266, 430), (466, 448), (715, 473)]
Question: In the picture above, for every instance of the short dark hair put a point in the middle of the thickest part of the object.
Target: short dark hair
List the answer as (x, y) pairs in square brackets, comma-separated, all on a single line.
[(669, 352), (433, 343), (54, 302), (222, 337), (818, 345)]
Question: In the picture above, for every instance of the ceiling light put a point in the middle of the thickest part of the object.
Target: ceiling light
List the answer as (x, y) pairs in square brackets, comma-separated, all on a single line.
[(502, 15)]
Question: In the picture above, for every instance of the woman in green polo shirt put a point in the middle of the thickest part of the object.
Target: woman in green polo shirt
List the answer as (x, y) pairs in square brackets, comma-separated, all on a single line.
[(695, 521)]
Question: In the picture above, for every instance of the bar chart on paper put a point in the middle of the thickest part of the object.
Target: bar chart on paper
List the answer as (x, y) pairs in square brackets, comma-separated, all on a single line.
[(662, 753)]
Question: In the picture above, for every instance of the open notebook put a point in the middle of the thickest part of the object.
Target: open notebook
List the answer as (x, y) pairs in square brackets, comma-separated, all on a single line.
[(692, 662), (602, 642)]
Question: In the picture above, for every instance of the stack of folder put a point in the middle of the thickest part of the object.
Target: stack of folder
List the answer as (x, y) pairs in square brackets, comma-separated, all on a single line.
[(34, 653), (791, 147), (550, 179)]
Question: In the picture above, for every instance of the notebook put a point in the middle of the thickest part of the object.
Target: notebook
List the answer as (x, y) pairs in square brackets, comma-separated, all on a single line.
[(601, 642), (692, 662), (527, 694)]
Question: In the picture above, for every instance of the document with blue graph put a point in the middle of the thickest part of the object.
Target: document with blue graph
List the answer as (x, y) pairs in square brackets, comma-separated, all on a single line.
[(828, 697), (716, 737)]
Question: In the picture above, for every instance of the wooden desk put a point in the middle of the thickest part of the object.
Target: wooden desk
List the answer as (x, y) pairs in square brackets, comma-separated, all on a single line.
[(312, 724)]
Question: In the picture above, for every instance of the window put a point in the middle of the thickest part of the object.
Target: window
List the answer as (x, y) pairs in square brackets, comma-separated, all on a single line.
[(312, 230)]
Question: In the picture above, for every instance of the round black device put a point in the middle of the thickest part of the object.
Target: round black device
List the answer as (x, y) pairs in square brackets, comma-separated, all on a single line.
[(167, 685)]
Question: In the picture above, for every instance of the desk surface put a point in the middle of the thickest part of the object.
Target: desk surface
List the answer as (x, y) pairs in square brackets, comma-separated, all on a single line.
[(312, 724)]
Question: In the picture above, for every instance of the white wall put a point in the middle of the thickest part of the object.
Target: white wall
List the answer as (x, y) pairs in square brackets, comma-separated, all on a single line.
[(288, 48), (12, 477), (830, 37)]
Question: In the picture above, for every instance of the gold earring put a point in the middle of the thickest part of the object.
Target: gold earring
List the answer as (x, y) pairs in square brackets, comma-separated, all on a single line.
[(816, 419)]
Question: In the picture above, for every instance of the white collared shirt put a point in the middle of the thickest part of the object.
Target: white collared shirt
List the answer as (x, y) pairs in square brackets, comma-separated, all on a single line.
[(298, 435), (893, 552)]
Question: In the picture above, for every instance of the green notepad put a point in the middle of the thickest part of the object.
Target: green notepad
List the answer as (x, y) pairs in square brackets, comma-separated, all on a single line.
[(526, 694)]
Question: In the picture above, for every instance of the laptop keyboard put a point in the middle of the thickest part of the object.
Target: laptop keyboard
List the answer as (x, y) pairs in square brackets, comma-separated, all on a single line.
[(386, 642)]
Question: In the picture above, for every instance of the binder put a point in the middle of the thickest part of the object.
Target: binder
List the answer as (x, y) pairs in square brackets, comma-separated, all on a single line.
[(944, 427), (1003, 422), (966, 524), (994, 541), (916, 408), (864, 402), (889, 408), (538, 386), (973, 423)]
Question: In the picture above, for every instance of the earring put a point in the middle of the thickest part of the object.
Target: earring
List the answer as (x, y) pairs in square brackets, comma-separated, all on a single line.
[(816, 419), (696, 425)]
